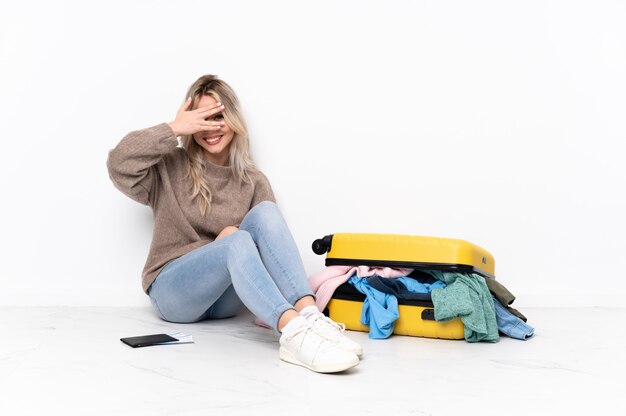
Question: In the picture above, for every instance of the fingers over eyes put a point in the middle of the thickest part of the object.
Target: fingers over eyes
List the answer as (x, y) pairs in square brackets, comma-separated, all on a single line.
[(209, 111), (208, 126)]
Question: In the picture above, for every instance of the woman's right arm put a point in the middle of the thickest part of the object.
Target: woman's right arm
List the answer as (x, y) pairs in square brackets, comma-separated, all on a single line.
[(132, 163)]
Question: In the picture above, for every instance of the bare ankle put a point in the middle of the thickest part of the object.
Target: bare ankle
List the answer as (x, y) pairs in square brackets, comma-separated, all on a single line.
[(304, 302), (287, 316)]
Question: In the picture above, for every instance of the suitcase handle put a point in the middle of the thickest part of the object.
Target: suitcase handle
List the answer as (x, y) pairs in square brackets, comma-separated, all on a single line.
[(428, 315), (322, 245)]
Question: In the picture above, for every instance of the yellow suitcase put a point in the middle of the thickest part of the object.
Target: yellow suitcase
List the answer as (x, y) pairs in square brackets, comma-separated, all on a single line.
[(416, 317)]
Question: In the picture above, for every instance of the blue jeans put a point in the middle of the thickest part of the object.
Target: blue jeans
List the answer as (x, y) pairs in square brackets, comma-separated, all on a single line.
[(258, 267), (510, 324)]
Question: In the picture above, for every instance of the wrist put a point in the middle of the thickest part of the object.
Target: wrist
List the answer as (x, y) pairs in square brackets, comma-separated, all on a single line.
[(174, 128)]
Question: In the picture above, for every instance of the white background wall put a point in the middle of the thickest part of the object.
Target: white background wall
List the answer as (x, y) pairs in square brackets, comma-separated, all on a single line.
[(501, 123)]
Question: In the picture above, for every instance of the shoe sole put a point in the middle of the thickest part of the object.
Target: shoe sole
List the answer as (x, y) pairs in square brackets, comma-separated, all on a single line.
[(287, 356)]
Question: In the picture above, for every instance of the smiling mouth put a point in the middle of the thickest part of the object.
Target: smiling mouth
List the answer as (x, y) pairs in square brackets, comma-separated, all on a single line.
[(213, 140)]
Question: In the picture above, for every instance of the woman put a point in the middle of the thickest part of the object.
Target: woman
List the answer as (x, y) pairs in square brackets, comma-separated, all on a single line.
[(219, 241)]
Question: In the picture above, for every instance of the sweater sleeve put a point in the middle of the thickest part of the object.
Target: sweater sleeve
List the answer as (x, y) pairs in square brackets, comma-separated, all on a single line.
[(132, 163), (262, 190)]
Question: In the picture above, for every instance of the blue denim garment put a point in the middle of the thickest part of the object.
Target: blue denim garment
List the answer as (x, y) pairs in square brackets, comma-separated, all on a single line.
[(257, 266), (510, 324)]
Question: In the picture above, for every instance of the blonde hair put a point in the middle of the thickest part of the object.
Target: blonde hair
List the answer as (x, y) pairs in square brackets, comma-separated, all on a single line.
[(241, 162)]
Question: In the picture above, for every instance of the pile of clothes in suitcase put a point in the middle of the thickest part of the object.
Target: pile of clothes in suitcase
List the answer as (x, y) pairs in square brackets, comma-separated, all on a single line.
[(482, 304)]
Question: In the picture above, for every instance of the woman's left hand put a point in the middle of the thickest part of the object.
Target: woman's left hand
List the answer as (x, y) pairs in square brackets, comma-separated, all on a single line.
[(226, 231)]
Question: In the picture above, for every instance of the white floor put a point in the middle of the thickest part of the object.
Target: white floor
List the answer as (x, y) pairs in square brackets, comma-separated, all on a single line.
[(69, 361)]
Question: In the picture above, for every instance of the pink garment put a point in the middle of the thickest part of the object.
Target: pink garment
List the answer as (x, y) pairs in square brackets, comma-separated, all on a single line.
[(325, 282)]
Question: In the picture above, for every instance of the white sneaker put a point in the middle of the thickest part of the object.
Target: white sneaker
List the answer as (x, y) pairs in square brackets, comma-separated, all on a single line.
[(309, 349), (333, 331)]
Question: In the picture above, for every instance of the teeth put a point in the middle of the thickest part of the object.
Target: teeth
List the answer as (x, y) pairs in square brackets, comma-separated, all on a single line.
[(213, 140)]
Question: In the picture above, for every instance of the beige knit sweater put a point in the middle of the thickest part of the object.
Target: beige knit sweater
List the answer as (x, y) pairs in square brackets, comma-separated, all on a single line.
[(148, 166)]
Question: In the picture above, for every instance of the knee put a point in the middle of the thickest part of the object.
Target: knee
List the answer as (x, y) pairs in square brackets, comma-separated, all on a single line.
[(263, 214), (264, 208), (266, 205), (240, 242), (240, 238)]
